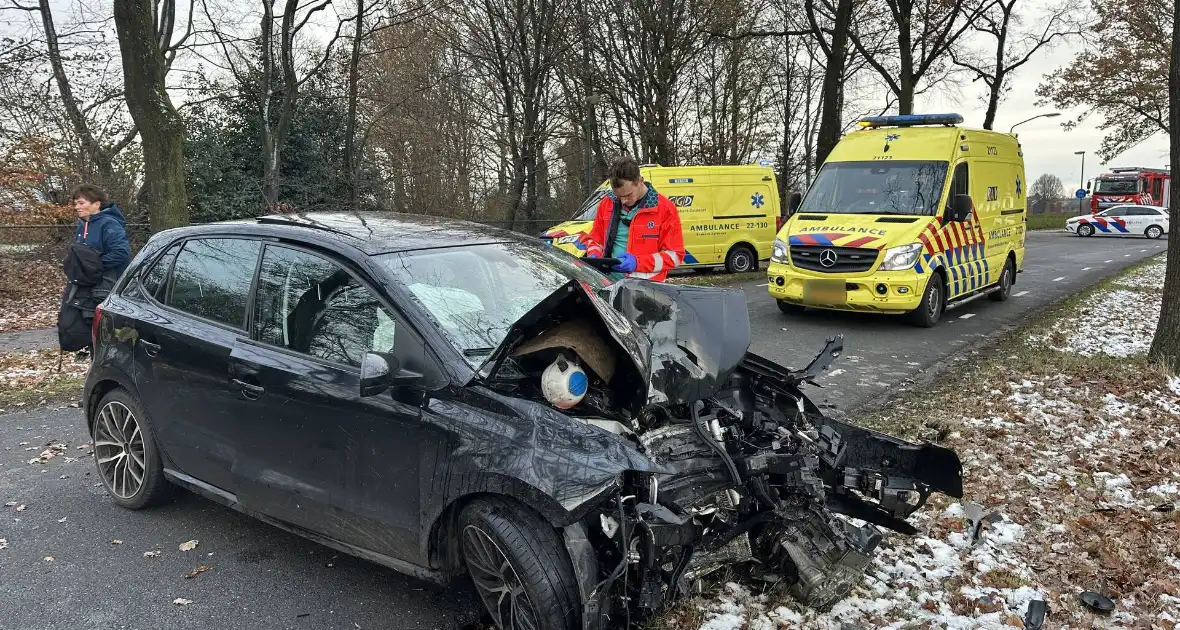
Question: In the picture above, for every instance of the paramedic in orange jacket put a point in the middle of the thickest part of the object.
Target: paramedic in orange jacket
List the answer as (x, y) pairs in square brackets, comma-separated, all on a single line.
[(648, 240)]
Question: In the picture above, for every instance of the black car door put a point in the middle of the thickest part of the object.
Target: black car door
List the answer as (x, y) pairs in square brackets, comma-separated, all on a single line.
[(193, 319), (319, 455)]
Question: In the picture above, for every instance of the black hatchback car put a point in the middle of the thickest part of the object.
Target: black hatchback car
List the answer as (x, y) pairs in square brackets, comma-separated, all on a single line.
[(384, 384)]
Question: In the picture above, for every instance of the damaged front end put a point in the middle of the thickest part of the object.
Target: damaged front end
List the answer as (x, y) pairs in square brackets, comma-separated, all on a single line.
[(758, 474)]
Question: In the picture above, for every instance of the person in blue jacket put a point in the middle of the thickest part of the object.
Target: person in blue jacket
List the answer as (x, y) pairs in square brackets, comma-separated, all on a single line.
[(101, 225)]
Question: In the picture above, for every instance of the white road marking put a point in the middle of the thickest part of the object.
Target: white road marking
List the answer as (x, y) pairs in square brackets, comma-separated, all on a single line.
[(1126, 255), (1086, 268), (1142, 251), (762, 285), (1059, 279), (1108, 261), (1022, 293), (968, 316)]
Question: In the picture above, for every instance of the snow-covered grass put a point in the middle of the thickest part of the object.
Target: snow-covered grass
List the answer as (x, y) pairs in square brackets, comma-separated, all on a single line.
[(1075, 445)]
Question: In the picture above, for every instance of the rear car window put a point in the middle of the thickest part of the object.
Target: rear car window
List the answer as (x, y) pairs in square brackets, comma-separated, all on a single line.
[(211, 279), (153, 280), (307, 304)]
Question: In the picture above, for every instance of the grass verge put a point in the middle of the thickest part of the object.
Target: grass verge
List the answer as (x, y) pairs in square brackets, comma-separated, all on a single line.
[(1049, 221)]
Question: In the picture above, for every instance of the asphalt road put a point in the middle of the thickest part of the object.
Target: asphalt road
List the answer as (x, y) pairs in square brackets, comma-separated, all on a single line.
[(260, 577)]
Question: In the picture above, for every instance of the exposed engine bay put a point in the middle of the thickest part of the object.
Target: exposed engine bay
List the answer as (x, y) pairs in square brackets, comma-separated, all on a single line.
[(755, 472)]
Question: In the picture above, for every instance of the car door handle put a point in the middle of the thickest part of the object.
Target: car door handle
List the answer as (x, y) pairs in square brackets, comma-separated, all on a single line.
[(248, 390), (149, 348)]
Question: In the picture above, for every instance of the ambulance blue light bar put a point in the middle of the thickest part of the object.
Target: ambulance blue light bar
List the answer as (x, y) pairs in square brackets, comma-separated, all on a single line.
[(910, 120)]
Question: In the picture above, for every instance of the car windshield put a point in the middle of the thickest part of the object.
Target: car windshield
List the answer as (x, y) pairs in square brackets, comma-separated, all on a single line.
[(474, 294), (1117, 186), (901, 187), (589, 207)]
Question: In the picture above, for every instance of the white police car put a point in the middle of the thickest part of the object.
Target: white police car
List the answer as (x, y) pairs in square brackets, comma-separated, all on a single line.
[(1124, 220)]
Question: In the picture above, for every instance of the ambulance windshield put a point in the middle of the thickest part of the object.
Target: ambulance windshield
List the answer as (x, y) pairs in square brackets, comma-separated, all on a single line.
[(590, 207), (878, 187)]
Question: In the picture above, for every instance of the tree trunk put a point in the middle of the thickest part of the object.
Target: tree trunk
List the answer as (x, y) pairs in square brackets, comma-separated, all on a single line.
[(831, 117), (993, 101), (160, 126), (1166, 345), (351, 164)]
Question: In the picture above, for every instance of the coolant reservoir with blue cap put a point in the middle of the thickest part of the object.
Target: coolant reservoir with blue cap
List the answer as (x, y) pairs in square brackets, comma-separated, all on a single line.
[(564, 383)]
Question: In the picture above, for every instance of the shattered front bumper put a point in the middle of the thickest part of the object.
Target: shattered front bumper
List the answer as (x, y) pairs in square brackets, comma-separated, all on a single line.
[(809, 504)]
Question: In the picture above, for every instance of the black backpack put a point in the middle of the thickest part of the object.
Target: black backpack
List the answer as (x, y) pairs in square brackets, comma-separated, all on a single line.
[(83, 268)]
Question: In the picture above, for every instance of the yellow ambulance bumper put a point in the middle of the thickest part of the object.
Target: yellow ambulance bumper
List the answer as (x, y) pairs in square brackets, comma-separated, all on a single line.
[(882, 292)]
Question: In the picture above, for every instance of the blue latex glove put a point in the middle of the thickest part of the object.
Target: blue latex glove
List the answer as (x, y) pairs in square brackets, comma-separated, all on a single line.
[(626, 263)]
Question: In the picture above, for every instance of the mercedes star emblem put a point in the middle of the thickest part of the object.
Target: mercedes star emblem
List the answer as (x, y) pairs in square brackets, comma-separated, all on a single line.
[(827, 258)]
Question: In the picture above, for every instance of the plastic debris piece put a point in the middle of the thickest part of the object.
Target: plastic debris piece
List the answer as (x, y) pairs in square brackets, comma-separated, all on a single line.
[(974, 513), (1097, 602), (1034, 619)]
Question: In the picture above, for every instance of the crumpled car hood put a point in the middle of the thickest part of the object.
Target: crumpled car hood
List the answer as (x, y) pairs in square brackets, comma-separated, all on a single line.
[(684, 340)]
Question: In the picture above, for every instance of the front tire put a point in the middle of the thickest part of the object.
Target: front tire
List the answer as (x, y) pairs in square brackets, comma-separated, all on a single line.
[(519, 566), (930, 309), (1085, 230), (126, 454), (1154, 232), (1006, 277)]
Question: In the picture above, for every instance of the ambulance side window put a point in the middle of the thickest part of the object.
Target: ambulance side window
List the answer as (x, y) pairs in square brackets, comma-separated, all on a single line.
[(959, 185)]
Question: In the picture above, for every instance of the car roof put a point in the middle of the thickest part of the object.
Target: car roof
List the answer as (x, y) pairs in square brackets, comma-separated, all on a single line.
[(370, 232)]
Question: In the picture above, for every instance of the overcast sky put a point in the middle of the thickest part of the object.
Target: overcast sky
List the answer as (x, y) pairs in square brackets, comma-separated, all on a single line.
[(1047, 148)]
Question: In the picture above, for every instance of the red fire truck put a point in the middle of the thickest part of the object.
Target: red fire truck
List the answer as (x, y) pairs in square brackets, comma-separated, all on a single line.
[(1130, 184)]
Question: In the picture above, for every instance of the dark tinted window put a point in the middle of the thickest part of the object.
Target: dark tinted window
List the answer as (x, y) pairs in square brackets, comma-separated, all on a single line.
[(212, 278), (960, 185), (154, 278), (310, 305)]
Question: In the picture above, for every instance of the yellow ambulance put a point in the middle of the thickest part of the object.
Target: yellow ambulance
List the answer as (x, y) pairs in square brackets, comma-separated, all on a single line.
[(909, 215), (729, 214)]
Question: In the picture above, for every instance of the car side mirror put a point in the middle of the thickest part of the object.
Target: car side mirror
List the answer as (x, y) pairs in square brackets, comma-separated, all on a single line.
[(380, 371), (794, 201), (961, 208)]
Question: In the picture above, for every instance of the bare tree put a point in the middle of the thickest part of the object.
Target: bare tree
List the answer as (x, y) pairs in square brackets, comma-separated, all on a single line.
[(99, 153), (1014, 44), (518, 44), (925, 31)]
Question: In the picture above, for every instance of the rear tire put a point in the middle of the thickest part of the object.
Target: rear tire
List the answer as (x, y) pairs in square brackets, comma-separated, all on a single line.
[(1085, 230), (508, 546), (126, 454), (1154, 232), (790, 309), (1006, 277), (741, 259), (930, 309)]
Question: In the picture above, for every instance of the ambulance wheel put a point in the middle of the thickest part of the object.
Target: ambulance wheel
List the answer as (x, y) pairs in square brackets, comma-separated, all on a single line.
[(1154, 231), (1005, 283), (1085, 230), (930, 309), (741, 259), (790, 309)]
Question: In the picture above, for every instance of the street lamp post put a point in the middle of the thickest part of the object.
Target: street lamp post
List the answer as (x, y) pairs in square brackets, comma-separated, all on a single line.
[(1045, 115)]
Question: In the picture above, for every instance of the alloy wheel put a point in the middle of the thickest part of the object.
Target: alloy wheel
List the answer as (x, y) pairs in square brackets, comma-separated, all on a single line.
[(119, 450), (935, 298), (1154, 232), (496, 580)]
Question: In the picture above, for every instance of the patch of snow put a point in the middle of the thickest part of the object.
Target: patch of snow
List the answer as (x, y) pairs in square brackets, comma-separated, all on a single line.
[(1118, 323), (1174, 385)]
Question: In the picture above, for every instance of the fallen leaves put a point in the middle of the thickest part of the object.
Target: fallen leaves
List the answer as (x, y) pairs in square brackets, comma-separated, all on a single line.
[(116, 542), (29, 376), (188, 546), (20, 508), (31, 289), (3, 543), (48, 559), (53, 451), (195, 572), (152, 554), (180, 601)]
